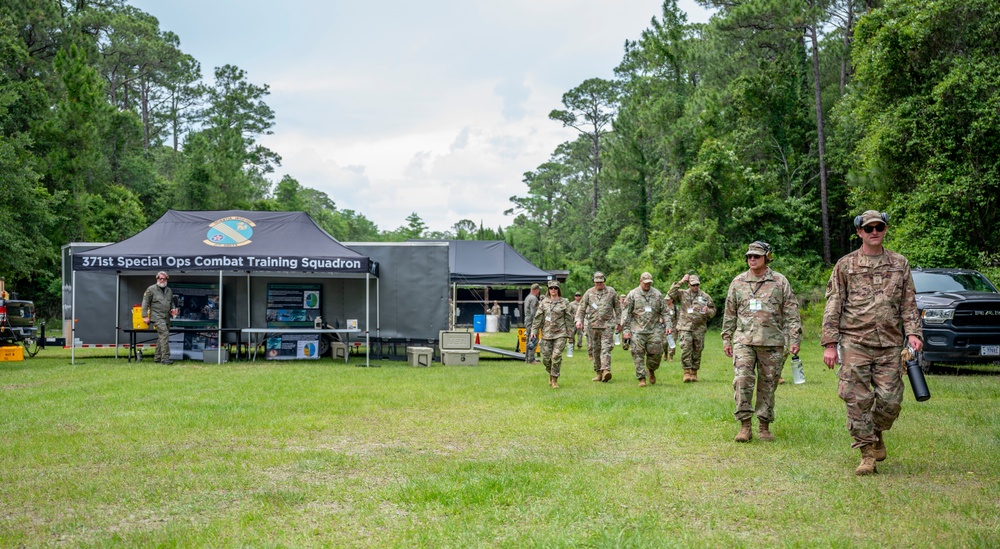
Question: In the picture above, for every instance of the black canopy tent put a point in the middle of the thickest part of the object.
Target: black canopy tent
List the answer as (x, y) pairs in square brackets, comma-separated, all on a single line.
[(231, 241), (489, 263)]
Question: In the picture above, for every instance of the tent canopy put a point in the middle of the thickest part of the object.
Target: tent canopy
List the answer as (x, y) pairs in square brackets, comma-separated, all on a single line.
[(231, 240), (490, 262)]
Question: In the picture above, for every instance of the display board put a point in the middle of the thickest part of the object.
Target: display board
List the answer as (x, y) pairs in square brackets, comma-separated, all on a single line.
[(195, 306), (293, 306)]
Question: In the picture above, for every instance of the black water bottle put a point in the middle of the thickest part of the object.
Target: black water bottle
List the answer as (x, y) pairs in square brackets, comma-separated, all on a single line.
[(917, 381)]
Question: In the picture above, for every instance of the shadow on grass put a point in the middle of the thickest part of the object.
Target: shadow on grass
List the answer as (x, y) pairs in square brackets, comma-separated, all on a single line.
[(966, 369)]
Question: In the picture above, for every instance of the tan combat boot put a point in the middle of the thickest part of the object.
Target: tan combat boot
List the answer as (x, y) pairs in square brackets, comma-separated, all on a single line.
[(879, 448), (553, 382), (694, 375), (606, 376), (745, 433), (867, 466), (642, 382), (597, 376), (764, 432), (687, 375), (652, 377)]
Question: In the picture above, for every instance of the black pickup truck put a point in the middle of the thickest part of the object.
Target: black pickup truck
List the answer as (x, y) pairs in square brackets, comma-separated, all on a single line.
[(17, 324), (960, 313)]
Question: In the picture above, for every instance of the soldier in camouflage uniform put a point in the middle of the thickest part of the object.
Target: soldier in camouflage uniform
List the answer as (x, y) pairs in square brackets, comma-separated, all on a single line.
[(671, 312), (694, 308), (530, 307), (761, 310), (643, 320), (601, 310), (577, 335), (157, 301), (553, 325), (870, 313)]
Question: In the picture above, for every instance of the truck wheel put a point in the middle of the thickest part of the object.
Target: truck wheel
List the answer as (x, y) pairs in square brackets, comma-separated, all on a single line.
[(925, 365)]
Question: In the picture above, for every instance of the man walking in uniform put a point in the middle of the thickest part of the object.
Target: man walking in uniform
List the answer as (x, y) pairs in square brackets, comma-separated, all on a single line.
[(157, 301), (643, 320), (671, 346), (530, 307), (871, 311), (601, 310), (577, 335), (761, 310), (694, 308)]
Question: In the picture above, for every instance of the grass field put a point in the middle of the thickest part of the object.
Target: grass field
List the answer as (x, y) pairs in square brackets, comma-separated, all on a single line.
[(319, 453)]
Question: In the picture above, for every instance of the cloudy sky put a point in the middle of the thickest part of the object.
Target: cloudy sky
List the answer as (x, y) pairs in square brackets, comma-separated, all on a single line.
[(436, 107)]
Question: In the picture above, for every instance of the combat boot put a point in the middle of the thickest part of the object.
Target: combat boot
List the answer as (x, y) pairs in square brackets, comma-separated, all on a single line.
[(879, 448), (763, 430), (687, 375), (867, 466), (642, 382), (598, 376), (606, 376), (652, 377), (745, 433), (694, 375), (553, 382)]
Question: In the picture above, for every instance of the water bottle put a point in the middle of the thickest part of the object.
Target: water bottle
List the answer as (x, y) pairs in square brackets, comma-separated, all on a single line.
[(618, 338), (670, 341), (569, 350), (798, 374), (917, 381), (318, 323)]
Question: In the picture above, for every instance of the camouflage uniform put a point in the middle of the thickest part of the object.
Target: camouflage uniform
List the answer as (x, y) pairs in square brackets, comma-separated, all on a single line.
[(761, 313), (495, 309), (691, 323), (530, 308), (870, 310), (642, 320), (600, 310), (671, 314), (156, 305), (553, 324), (576, 336)]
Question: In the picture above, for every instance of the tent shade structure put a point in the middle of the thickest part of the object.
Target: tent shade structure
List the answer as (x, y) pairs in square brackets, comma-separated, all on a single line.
[(489, 262), (232, 240)]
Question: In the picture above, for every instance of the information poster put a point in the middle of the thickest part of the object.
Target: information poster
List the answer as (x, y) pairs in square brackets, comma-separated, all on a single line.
[(195, 305), (293, 305), (293, 346)]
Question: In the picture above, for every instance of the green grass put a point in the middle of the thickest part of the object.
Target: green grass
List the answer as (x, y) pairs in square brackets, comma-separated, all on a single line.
[(294, 454)]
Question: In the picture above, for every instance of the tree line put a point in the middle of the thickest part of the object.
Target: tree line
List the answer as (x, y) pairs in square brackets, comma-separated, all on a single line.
[(778, 120)]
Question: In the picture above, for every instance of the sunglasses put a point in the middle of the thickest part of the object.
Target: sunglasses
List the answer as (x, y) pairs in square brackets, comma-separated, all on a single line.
[(753, 256), (161, 278), (876, 227)]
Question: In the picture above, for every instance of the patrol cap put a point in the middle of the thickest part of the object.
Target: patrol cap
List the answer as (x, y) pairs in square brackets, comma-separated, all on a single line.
[(645, 277), (553, 284), (536, 287), (694, 280), (873, 216), (756, 248), (577, 294), (598, 276)]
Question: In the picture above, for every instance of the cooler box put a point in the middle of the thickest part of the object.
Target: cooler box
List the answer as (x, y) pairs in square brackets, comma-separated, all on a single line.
[(460, 358), (211, 356), (419, 356), (479, 323), (338, 350), (492, 323), (454, 341), (137, 322), (14, 353)]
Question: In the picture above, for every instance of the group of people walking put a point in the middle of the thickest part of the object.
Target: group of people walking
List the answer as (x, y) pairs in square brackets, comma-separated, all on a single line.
[(869, 317)]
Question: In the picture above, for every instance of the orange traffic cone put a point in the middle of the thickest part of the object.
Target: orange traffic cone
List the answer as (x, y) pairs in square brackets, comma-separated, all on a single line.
[(477, 338)]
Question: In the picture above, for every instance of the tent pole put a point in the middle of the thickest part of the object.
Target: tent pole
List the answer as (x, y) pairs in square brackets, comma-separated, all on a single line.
[(218, 325), (72, 323), (118, 308), (367, 332)]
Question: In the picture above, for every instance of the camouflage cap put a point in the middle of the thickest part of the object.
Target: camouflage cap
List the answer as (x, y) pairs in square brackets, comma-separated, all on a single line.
[(553, 284), (756, 248), (577, 294), (871, 216), (536, 287), (598, 276), (645, 277), (694, 280)]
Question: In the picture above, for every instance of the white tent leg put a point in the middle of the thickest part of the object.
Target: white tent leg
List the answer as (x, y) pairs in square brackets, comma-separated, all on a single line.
[(72, 323), (118, 308)]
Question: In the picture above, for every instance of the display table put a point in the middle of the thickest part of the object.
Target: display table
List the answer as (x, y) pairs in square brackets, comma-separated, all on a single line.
[(133, 336), (257, 335)]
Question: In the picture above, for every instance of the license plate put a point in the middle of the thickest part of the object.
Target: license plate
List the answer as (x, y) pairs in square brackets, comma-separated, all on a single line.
[(989, 350)]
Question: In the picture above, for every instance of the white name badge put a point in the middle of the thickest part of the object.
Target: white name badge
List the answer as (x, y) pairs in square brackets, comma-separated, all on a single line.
[(548, 319), (690, 310), (594, 305), (755, 305), (648, 309)]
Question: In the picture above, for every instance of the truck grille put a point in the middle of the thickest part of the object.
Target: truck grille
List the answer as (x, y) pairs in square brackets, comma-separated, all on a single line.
[(977, 315)]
